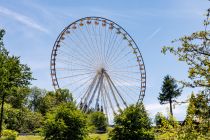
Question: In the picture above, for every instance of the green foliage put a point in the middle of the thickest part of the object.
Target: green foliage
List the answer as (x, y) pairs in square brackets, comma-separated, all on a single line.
[(65, 122), (194, 49), (196, 124), (132, 123), (43, 101), (99, 121), (159, 119), (168, 127), (197, 119), (34, 98), (22, 120), (170, 91), (63, 95), (9, 134), (17, 98), (13, 75)]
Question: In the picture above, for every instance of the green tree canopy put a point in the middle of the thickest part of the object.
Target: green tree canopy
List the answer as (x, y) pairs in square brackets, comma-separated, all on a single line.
[(99, 121), (132, 124), (169, 91), (13, 75), (65, 122)]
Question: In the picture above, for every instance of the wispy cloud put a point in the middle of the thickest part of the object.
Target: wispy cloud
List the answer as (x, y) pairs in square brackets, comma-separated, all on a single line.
[(154, 33), (22, 19)]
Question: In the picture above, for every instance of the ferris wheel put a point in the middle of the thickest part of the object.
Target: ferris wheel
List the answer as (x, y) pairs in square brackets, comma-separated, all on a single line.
[(101, 65)]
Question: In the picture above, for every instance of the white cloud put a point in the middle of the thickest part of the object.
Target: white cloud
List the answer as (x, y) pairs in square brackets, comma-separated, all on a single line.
[(22, 19), (179, 111)]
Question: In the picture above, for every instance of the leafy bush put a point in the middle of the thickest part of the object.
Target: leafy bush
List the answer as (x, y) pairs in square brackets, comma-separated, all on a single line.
[(98, 122), (22, 120), (132, 124), (9, 134), (65, 122)]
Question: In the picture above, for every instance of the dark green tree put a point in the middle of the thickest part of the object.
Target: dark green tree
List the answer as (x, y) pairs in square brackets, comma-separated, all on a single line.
[(132, 124), (13, 75), (99, 121), (63, 95), (18, 97), (65, 122), (169, 91), (34, 98)]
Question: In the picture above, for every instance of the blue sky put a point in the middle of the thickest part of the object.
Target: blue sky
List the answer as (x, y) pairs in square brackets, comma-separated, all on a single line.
[(32, 27)]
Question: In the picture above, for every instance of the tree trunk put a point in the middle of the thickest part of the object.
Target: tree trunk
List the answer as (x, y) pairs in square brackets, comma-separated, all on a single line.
[(2, 114), (171, 111)]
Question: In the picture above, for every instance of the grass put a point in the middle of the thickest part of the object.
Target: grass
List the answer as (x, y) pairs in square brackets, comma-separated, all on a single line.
[(99, 136), (92, 137), (29, 138)]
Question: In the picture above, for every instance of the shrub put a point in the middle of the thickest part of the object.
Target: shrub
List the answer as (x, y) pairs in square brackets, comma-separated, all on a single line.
[(9, 134), (132, 124), (98, 122), (65, 122)]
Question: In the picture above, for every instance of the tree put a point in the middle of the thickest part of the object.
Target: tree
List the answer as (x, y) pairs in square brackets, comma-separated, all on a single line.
[(194, 49), (51, 99), (34, 98), (13, 75), (170, 91), (18, 97), (22, 120), (132, 124), (65, 122), (99, 121), (63, 95), (159, 118), (198, 113)]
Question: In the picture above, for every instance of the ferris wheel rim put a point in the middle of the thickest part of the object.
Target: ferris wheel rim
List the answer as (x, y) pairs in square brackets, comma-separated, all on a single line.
[(53, 61)]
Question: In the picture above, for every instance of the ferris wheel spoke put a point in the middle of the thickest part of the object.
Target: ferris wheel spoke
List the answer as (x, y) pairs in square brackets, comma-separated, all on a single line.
[(88, 93), (114, 52), (71, 62), (91, 39), (82, 52), (116, 60), (94, 92), (93, 44), (74, 75), (78, 80), (130, 66), (71, 69), (80, 87), (123, 48), (108, 41), (112, 83), (110, 45), (96, 42), (80, 39), (99, 91), (89, 46), (85, 37), (125, 76), (134, 90), (75, 58), (78, 52), (120, 71), (105, 41), (124, 64), (113, 94), (103, 102), (109, 99)]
